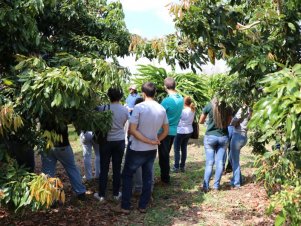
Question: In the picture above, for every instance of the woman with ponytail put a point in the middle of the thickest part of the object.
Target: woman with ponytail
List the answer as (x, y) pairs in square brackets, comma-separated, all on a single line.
[(215, 140), (184, 131)]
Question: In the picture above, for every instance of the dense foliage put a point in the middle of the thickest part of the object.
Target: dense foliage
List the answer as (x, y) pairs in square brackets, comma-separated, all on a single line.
[(53, 60), (188, 84), (57, 59)]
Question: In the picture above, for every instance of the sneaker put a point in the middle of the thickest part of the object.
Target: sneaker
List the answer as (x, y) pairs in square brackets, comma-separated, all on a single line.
[(118, 209), (175, 170), (117, 197), (182, 169), (99, 198)]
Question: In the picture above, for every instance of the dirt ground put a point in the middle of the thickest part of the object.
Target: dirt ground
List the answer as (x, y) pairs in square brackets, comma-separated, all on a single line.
[(181, 203)]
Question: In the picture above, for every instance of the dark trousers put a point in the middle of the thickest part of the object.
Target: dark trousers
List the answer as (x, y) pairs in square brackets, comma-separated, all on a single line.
[(114, 149), (164, 150), (134, 160)]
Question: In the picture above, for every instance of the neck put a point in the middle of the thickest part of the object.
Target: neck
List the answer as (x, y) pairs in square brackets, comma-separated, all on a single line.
[(148, 98), (171, 91)]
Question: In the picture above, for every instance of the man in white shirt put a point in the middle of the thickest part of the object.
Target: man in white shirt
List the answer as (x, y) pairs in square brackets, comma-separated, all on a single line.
[(147, 118)]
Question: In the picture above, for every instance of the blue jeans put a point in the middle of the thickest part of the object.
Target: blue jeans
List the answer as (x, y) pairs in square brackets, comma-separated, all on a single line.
[(87, 142), (180, 145), (164, 150), (114, 149), (215, 148), (134, 160), (66, 157), (237, 142)]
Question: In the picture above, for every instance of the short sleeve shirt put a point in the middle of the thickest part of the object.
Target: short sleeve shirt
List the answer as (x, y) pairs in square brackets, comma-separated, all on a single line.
[(120, 116), (173, 105), (149, 116), (211, 127)]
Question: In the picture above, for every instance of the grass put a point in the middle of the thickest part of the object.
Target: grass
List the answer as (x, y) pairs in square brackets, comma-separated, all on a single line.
[(180, 203)]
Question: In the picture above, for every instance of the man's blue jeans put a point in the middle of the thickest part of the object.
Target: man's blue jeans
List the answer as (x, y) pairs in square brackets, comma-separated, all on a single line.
[(237, 142), (215, 148), (66, 157), (134, 160), (180, 145)]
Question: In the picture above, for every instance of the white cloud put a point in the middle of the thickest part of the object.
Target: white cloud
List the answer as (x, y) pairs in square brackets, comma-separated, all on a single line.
[(144, 5), (209, 69)]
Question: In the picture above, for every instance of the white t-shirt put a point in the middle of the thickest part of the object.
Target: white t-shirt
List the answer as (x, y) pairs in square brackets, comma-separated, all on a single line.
[(185, 124), (149, 116)]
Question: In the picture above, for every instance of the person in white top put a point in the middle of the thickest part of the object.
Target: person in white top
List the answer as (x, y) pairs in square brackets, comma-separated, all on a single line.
[(184, 131)]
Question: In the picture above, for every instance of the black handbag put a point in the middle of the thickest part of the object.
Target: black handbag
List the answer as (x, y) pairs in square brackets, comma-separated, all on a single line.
[(195, 132)]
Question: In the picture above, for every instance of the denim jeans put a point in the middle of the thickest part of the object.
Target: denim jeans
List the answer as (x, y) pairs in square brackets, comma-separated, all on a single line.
[(87, 142), (134, 160), (164, 150), (180, 145), (114, 149), (137, 177), (237, 142), (66, 157), (215, 148)]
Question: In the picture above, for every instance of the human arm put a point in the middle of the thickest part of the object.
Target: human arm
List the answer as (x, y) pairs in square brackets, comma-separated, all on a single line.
[(139, 136), (162, 135), (202, 118)]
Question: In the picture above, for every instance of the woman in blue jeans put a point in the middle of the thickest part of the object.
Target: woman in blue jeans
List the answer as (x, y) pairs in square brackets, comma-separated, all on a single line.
[(184, 131), (215, 140), (239, 139)]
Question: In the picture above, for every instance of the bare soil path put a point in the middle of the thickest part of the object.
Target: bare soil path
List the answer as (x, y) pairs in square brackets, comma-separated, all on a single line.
[(181, 203)]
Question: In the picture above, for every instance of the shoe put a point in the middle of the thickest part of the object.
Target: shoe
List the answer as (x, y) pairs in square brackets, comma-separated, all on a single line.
[(235, 187), (175, 170), (81, 196), (101, 199), (141, 210), (118, 209), (117, 197), (205, 190), (182, 170)]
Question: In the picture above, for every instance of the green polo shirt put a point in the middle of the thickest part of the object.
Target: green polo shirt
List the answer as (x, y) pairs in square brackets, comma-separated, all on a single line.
[(211, 128)]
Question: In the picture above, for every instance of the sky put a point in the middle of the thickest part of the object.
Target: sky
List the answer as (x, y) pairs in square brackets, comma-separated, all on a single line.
[(151, 19)]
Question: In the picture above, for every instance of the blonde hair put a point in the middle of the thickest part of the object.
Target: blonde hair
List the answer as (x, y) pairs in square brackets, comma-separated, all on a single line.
[(188, 102), (221, 113)]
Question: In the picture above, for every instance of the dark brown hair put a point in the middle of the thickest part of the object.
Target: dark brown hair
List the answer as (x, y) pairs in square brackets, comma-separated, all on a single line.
[(221, 113), (188, 102)]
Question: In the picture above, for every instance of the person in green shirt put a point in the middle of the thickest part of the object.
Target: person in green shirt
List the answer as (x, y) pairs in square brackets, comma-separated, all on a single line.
[(215, 140)]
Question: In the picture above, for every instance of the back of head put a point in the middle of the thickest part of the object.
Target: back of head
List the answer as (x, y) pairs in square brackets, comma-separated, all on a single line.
[(115, 94), (188, 102), (149, 89), (138, 100), (221, 113), (170, 83)]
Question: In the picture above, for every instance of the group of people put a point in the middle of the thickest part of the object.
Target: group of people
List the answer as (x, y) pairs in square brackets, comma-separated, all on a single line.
[(152, 127)]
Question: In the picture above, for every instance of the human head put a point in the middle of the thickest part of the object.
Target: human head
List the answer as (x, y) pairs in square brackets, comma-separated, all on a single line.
[(188, 102), (138, 100), (221, 113), (149, 89), (115, 94), (133, 89), (170, 83)]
